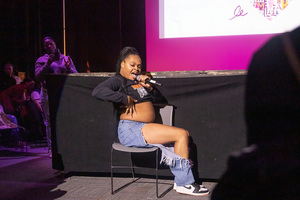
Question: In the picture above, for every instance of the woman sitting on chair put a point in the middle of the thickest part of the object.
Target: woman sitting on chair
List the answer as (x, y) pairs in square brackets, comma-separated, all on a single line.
[(135, 97)]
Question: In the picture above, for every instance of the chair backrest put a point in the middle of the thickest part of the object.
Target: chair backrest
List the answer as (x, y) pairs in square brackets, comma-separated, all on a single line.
[(166, 114)]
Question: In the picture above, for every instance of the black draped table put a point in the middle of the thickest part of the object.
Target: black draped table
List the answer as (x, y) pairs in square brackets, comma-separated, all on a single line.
[(210, 105)]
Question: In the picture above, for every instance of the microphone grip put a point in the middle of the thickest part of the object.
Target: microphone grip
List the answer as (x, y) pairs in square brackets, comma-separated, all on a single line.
[(151, 81)]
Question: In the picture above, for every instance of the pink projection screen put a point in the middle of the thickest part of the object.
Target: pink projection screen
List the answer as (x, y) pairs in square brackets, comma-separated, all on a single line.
[(196, 35)]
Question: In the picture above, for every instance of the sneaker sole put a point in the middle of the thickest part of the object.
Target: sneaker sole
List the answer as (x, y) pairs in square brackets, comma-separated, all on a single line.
[(194, 194), (175, 187)]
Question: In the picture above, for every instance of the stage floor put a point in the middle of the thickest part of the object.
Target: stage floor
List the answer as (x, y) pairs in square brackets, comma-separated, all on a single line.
[(29, 175)]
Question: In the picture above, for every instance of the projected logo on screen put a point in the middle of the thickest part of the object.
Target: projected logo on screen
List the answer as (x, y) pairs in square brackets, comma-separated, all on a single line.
[(270, 8), (202, 18)]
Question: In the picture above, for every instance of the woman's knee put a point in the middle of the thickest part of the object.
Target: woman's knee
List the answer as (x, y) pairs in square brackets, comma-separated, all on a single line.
[(183, 134)]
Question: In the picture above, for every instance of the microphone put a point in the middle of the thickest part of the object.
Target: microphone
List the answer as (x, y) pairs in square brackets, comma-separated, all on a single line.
[(56, 54), (150, 81)]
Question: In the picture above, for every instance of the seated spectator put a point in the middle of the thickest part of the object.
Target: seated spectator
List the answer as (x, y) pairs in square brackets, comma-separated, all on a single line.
[(7, 121), (32, 114), (13, 98), (9, 70), (270, 167), (35, 96), (9, 133), (7, 78)]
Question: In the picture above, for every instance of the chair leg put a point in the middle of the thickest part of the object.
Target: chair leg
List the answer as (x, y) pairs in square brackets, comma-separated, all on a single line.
[(156, 170), (132, 168), (133, 171), (111, 171)]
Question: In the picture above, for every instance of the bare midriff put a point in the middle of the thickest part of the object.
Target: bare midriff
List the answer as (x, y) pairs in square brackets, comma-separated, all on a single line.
[(144, 112)]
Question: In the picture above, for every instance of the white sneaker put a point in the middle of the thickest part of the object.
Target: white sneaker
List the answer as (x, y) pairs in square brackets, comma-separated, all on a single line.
[(193, 189), (201, 186)]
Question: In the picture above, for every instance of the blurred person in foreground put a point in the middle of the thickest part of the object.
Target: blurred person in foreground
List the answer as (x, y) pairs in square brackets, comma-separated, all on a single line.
[(269, 168)]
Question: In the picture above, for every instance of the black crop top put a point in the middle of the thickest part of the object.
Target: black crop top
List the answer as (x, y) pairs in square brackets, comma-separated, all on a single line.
[(117, 88)]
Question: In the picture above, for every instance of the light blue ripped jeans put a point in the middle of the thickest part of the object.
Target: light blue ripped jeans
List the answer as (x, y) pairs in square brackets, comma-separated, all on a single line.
[(130, 134)]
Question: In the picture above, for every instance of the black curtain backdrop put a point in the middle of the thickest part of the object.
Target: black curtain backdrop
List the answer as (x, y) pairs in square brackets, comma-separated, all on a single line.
[(210, 108), (96, 30)]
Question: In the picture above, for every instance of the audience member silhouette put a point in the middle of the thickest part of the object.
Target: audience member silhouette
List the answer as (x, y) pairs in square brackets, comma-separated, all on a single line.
[(7, 78), (13, 101), (14, 97), (32, 113), (269, 167)]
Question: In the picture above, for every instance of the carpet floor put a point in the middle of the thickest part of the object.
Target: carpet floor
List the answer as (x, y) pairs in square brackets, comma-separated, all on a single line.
[(29, 176)]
